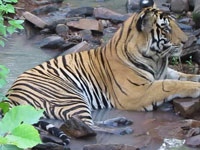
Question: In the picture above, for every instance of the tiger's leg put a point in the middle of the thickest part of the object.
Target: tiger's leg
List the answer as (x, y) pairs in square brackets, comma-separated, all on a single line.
[(173, 74), (165, 90)]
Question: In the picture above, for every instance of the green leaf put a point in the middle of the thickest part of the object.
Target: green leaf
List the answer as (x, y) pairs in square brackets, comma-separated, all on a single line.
[(11, 29), (3, 29), (3, 70), (24, 136), (11, 1), (3, 140), (10, 8), (18, 114), (2, 43), (4, 106), (9, 147), (2, 82)]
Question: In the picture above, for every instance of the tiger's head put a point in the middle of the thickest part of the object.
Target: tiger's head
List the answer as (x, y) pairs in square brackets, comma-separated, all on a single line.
[(153, 32)]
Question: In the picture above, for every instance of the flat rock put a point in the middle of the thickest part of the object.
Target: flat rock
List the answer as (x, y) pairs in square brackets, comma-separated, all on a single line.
[(45, 9), (187, 107), (50, 146), (81, 11), (184, 26), (87, 24), (53, 42), (109, 147), (179, 6), (193, 141), (45, 2), (107, 14), (191, 39), (34, 20)]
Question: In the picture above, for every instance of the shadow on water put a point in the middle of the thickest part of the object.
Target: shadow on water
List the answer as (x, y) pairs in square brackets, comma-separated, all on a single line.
[(150, 128)]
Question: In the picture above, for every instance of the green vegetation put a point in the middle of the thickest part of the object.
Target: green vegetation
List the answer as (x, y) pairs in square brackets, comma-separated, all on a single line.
[(7, 24), (16, 130), (189, 62), (196, 18), (174, 60)]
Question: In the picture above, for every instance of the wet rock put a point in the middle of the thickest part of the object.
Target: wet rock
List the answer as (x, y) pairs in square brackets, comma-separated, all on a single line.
[(77, 128), (54, 21), (34, 20), (191, 39), (193, 141), (185, 26), (109, 147), (67, 45), (86, 35), (197, 32), (45, 31), (179, 6), (132, 5), (62, 29), (82, 11), (88, 24), (78, 48), (51, 42), (184, 20), (186, 107), (45, 9), (50, 146), (105, 23), (104, 13), (45, 2), (198, 42)]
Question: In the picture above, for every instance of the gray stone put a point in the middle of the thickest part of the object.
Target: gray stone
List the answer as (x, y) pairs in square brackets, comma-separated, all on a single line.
[(179, 6), (50, 146), (193, 141), (109, 147), (62, 29), (45, 31), (82, 11), (196, 13), (191, 39), (45, 9), (107, 14), (198, 42), (45, 2), (185, 26), (34, 20), (54, 21), (100, 0), (184, 20), (187, 106), (53, 42), (132, 5)]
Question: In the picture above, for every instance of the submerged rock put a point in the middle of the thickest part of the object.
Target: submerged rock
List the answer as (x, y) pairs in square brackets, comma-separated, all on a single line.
[(109, 147), (193, 141), (45, 9)]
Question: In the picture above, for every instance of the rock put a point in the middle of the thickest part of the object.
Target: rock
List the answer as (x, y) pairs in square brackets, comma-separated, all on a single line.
[(109, 147), (50, 146), (82, 11), (100, 0), (45, 9), (184, 26), (191, 39), (197, 32), (196, 13), (132, 5), (179, 6), (34, 20), (104, 13), (187, 106), (67, 45), (87, 24), (53, 22), (46, 31), (193, 141), (62, 29), (52, 42), (184, 20), (45, 2), (198, 42), (77, 128), (86, 35), (78, 48)]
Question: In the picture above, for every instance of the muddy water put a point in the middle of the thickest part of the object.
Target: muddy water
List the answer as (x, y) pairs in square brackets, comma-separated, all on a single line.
[(150, 128)]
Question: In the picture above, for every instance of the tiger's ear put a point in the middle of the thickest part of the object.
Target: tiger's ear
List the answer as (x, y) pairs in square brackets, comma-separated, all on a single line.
[(145, 22)]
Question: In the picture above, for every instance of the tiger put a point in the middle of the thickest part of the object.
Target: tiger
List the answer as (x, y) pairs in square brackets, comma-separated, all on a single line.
[(130, 72)]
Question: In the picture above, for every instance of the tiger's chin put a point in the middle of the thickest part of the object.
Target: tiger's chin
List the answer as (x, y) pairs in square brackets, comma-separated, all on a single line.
[(176, 52)]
